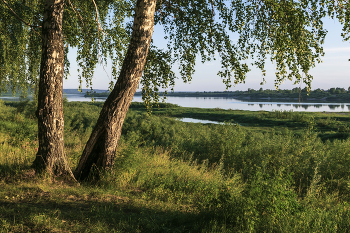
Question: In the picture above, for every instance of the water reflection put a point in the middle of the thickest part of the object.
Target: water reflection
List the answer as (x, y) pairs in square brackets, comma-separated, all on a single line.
[(225, 103), (331, 106), (234, 104)]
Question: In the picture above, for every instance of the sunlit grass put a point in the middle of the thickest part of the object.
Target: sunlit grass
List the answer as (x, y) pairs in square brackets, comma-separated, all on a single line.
[(14, 158)]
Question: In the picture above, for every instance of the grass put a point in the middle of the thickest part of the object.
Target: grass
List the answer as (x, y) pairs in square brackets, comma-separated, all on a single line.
[(328, 126), (277, 172)]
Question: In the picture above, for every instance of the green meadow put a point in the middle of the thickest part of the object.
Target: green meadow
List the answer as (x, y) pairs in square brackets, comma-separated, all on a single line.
[(255, 172)]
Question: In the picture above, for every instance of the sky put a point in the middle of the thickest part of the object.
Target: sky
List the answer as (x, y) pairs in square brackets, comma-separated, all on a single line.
[(333, 72)]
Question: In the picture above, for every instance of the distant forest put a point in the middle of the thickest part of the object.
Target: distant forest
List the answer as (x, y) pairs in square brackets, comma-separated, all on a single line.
[(334, 94)]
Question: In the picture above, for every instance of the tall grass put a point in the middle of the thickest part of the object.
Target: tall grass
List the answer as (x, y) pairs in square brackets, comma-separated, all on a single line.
[(171, 176), (17, 140)]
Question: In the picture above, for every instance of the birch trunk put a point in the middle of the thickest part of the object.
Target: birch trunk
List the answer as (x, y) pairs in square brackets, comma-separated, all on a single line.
[(51, 156), (101, 147)]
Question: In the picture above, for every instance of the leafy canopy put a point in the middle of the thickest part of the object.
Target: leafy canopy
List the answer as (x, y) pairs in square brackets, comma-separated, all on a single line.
[(289, 33)]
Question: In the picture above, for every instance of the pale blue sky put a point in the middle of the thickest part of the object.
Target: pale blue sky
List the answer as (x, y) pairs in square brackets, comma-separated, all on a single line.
[(333, 72)]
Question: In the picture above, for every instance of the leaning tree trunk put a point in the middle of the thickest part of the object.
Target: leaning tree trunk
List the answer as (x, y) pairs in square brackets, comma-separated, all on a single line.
[(101, 147), (51, 155)]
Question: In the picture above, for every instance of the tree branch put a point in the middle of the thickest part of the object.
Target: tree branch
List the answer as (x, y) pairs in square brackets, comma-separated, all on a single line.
[(81, 18), (98, 24), (341, 6), (32, 26)]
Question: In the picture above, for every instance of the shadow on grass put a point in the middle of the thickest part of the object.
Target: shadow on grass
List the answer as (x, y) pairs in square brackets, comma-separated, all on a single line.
[(25, 207), (42, 214), (8, 171), (328, 136)]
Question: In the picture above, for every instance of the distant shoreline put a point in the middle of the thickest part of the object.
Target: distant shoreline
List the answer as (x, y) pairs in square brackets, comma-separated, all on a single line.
[(317, 96), (333, 95)]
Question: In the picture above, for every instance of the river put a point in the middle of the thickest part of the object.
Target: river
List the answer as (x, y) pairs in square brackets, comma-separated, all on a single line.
[(234, 104)]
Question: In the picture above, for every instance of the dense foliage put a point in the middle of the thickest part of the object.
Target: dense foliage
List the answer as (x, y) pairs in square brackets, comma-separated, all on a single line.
[(291, 34), (260, 171)]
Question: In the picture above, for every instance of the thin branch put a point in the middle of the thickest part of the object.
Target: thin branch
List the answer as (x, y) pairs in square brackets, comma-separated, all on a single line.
[(78, 16), (98, 36), (341, 6), (212, 21), (98, 27), (81, 18), (160, 13), (98, 24), (32, 26)]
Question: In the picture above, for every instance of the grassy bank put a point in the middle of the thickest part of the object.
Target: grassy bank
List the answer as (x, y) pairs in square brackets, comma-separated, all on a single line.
[(259, 172)]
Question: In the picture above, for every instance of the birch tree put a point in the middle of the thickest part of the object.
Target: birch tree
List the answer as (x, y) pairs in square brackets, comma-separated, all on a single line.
[(290, 33), (34, 41)]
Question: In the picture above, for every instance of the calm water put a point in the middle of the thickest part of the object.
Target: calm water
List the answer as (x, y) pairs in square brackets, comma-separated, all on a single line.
[(224, 103), (193, 120)]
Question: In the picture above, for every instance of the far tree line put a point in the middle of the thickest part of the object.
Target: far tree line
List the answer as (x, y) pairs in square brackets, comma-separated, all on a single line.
[(333, 90)]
